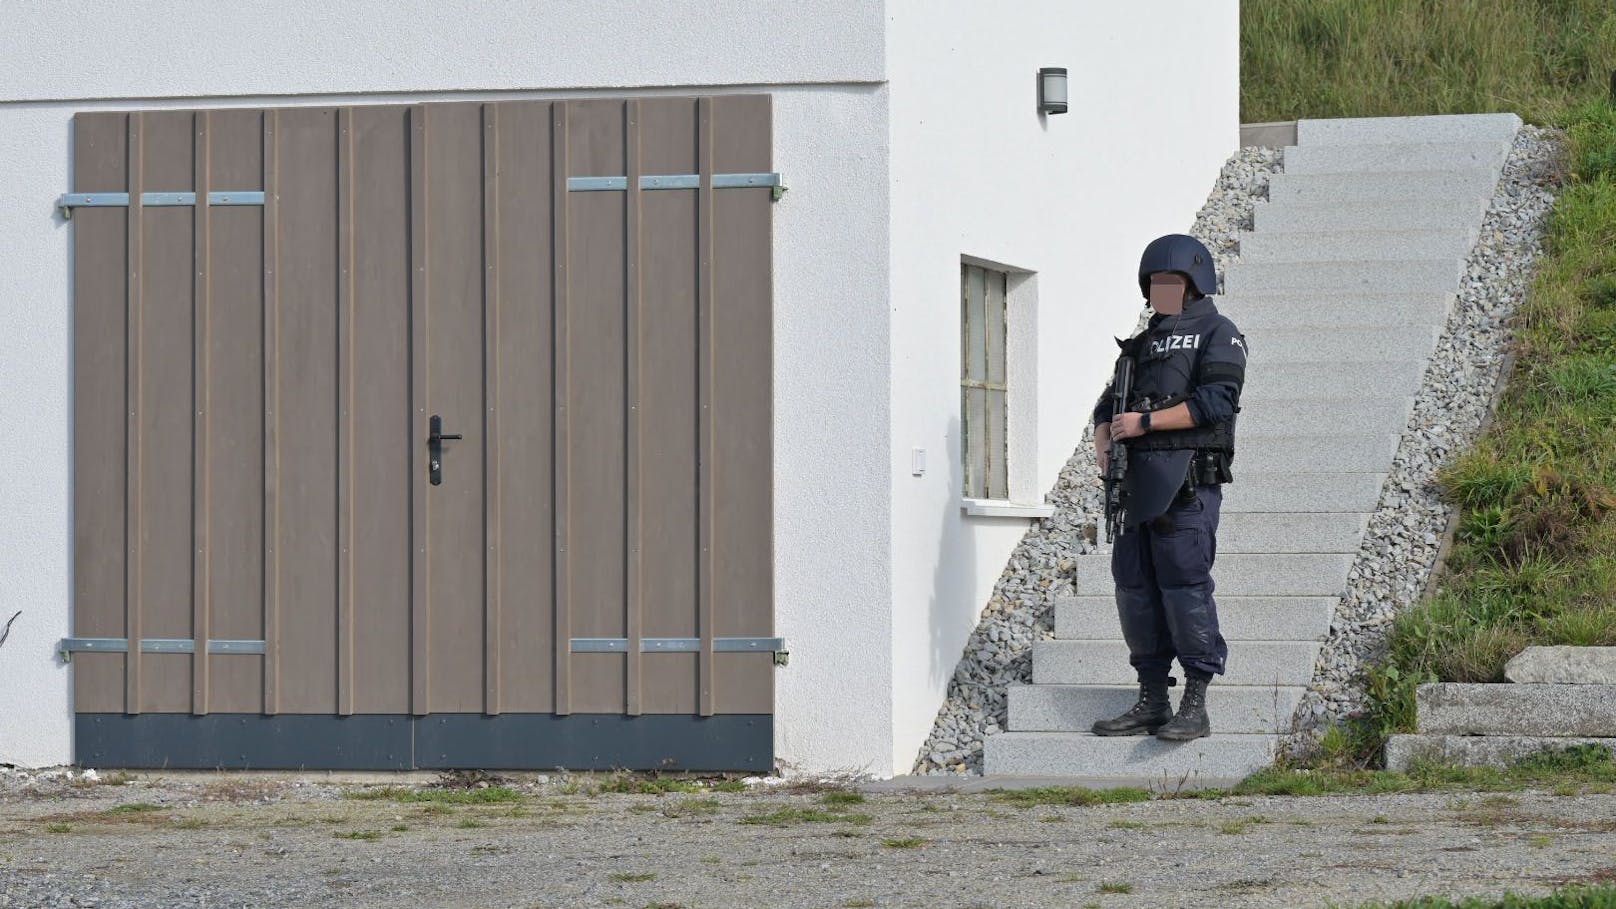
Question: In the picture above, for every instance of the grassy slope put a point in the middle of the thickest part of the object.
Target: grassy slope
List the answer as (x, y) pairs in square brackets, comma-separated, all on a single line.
[(1535, 559)]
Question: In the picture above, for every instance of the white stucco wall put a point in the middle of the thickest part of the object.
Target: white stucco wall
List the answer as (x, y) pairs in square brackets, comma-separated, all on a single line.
[(977, 172), (823, 62)]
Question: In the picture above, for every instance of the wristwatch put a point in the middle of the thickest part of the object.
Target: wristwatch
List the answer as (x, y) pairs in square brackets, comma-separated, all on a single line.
[(1144, 422)]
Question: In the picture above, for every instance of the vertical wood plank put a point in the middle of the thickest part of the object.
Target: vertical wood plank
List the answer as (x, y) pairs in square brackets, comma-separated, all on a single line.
[(345, 405), (132, 435), (706, 504), (492, 404), (200, 383), (560, 359), (271, 389), (419, 617), (633, 586)]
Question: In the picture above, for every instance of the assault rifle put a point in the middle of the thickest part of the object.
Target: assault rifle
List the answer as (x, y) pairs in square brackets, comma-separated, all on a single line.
[(1117, 466)]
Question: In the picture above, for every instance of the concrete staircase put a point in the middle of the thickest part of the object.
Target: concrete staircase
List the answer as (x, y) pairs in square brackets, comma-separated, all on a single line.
[(1342, 290)]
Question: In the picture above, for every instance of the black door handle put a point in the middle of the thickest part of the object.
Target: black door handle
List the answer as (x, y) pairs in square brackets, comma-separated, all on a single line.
[(434, 448)]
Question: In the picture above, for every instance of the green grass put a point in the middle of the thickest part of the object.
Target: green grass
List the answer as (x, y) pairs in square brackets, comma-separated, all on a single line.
[(1534, 554), (1368, 58), (904, 842), (1070, 795), (487, 796), (134, 808), (1602, 897), (1116, 887), (627, 877), (788, 815), (358, 835)]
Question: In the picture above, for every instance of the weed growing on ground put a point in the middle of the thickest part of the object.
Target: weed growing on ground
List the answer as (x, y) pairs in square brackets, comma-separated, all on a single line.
[(358, 835), (627, 877), (787, 815), (1116, 887), (904, 842), (1070, 795), (1597, 897), (486, 796), (843, 798)]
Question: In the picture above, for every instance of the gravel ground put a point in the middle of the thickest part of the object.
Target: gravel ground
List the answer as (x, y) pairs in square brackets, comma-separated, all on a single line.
[(228, 841)]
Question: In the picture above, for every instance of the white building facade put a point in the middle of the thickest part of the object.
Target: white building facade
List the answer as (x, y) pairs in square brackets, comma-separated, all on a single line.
[(911, 141)]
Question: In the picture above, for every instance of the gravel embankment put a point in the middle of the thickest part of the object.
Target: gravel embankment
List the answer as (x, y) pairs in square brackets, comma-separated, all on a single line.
[(213, 842)]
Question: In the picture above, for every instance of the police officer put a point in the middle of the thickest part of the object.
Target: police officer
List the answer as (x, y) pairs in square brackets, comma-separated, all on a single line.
[(1189, 366)]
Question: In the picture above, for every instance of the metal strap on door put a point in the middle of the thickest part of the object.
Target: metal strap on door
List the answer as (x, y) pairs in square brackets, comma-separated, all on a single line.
[(69, 201)]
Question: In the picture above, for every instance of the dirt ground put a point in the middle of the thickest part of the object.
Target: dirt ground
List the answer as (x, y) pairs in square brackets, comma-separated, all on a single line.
[(204, 840)]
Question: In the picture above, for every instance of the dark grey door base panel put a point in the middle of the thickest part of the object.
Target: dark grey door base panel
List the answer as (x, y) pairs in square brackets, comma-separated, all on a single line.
[(509, 741)]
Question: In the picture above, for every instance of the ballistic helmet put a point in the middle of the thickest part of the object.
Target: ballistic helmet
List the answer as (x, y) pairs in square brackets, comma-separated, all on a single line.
[(1183, 254)]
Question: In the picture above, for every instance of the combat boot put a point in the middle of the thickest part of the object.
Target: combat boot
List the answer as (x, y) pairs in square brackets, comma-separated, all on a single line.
[(1148, 714), (1190, 722)]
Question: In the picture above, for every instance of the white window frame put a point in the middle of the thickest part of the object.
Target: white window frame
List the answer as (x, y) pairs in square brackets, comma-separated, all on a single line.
[(1025, 499)]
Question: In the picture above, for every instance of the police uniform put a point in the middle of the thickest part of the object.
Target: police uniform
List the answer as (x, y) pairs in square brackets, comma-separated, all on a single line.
[(1162, 561)]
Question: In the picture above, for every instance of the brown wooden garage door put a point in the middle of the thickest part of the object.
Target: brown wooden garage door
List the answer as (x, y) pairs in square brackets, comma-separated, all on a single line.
[(424, 436)]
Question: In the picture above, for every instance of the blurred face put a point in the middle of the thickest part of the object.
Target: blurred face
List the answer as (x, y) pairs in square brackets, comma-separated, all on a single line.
[(1168, 290)]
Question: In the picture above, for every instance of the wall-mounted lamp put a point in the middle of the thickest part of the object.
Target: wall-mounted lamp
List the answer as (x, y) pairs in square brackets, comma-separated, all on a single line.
[(1052, 90)]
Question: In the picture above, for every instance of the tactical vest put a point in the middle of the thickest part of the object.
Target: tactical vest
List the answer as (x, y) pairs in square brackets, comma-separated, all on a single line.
[(1167, 368)]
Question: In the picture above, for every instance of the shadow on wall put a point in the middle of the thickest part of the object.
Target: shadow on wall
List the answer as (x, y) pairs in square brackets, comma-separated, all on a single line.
[(953, 601)]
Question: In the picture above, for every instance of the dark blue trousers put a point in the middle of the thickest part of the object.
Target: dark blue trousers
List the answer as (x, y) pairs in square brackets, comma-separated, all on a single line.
[(1163, 572)]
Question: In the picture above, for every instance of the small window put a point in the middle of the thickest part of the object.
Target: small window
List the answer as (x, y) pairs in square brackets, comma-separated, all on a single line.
[(983, 388)]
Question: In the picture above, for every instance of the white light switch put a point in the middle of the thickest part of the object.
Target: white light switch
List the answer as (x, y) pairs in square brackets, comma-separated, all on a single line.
[(917, 464)]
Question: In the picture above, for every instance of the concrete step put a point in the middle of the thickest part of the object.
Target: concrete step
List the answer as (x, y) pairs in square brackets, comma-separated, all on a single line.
[(1354, 245), (1074, 708), (1475, 183), (1449, 708), (1240, 575), (1290, 532), (1424, 128), (1365, 379), (1106, 663), (1340, 345), (1307, 310), (1276, 454), (1094, 618), (1403, 751), (1387, 276), (1226, 757), (1304, 416), (1432, 214), (1397, 158), (1300, 492)]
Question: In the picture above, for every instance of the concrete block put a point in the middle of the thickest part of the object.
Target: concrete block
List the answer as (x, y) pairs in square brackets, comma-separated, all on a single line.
[(1106, 663), (1331, 381), (1388, 276), (1242, 574), (1412, 186), (1435, 214), (1395, 157), (1312, 416), (1448, 708), (1074, 708), (1239, 618), (1354, 245), (1403, 751), (1290, 532), (1563, 666), (1298, 492), (1378, 311), (1425, 128), (1274, 454), (1312, 345), (1222, 757)]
